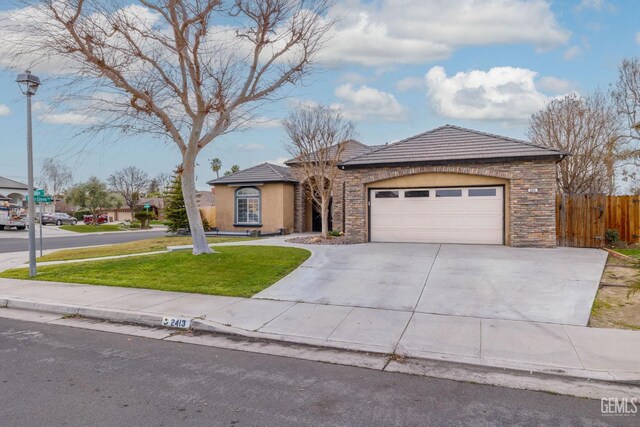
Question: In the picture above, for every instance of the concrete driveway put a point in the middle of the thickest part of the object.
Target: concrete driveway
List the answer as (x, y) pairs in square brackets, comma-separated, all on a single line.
[(493, 282)]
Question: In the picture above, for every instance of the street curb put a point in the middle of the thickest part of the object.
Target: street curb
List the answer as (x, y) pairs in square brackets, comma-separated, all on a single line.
[(203, 325)]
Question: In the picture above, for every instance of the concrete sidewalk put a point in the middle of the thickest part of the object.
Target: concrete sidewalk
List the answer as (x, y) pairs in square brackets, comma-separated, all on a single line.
[(603, 354)]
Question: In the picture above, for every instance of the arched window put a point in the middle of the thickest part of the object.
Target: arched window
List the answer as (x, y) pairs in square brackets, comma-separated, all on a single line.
[(248, 206)]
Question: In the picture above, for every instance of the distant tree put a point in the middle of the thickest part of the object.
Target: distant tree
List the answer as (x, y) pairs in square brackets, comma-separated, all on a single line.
[(175, 212), (625, 93), (234, 169), (131, 183), (216, 165), (588, 129), (159, 185), (93, 196), (55, 176), (316, 137)]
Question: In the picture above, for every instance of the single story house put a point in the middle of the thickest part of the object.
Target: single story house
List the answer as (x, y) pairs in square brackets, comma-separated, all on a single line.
[(446, 185), (13, 191)]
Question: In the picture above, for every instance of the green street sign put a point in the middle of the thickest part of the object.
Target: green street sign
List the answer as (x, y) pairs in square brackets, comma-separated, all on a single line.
[(38, 192), (146, 206), (41, 199)]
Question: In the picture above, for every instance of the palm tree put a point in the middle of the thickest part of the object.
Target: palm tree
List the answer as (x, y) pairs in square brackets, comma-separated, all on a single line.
[(216, 165)]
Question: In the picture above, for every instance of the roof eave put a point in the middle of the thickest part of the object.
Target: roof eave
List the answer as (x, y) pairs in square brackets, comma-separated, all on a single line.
[(260, 181), (345, 166)]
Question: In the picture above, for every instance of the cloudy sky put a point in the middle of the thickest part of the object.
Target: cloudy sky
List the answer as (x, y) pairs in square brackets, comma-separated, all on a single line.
[(395, 67)]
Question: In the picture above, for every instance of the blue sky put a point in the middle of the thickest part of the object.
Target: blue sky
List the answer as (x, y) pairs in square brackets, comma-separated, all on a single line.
[(395, 67)]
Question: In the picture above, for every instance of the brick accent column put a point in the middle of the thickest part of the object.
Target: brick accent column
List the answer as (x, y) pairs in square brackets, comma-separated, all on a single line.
[(356, 207), (299, 208)]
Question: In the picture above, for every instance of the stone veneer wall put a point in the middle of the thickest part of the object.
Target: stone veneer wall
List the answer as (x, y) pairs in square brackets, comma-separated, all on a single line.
[(532, 214)]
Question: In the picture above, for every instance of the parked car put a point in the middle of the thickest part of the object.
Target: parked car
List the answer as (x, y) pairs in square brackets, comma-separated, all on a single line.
[(100, 219), (58, 218)]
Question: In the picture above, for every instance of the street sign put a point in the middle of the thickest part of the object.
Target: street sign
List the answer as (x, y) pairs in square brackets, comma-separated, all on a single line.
[(38, 192), (146, 206), (41, 199)]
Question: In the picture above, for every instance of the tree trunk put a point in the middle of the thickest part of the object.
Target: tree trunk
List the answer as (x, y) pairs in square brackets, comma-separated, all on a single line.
[(324, 212), (200, 244)]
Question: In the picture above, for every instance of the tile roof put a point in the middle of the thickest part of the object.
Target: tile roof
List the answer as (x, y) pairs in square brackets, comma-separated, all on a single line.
[(352, 148), (266, 172), (9, 183), (449, 144)]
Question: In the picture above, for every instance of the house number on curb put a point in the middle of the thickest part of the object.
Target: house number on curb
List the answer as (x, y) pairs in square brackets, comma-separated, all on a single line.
[(176, 322)]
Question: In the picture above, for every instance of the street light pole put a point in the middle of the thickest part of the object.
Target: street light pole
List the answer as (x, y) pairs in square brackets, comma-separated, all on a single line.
[(30, 83)]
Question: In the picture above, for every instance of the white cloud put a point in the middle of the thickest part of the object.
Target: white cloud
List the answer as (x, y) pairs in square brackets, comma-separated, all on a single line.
[(4, 110), (68, 118), (638, 38), (353, 78), (251, 146), (596, 5), (391, 32), (572, 53), (410, 83), (367, 103), (555, 85), (502, 93), (263, 123), (279, 161)]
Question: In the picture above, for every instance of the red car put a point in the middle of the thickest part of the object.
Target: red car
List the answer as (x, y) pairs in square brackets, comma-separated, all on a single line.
[(100, 219)]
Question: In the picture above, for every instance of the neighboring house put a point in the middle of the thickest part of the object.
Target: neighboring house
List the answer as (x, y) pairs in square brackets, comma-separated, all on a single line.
[(260, 197), (447, 185), (14, 191), (124, 213), (205, 199)]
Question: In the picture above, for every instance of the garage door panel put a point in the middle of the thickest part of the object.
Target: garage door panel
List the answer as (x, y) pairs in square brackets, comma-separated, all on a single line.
[(463, 219), (436, 222)]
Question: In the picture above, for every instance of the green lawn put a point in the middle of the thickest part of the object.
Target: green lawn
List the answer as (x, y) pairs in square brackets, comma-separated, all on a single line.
[(137, 247), (635, 253), (240, 271), (92, 228)]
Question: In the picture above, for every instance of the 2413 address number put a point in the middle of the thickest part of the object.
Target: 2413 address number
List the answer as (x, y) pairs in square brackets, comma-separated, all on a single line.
[(176, 322)]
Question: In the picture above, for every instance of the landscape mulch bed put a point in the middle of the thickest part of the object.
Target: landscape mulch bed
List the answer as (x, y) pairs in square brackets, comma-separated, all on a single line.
[(317, 240)]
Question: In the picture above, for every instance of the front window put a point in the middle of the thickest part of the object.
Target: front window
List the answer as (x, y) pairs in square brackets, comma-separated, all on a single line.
[(248, 206)]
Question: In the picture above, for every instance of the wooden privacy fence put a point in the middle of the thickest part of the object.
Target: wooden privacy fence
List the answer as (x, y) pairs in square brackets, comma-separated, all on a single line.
[(209, 213), (582, 220)]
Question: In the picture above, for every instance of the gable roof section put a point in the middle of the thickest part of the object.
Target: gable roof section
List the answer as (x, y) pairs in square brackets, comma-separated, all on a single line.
[(451, 144), (352, 148), (266, 172), (9, 183)]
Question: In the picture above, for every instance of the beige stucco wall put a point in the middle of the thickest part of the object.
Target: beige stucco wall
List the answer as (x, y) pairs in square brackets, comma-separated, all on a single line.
[(441, 179), (277, 207)]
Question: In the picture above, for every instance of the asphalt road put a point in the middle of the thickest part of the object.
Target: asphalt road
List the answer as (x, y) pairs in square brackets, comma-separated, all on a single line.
[(20, 244), (56, 375)]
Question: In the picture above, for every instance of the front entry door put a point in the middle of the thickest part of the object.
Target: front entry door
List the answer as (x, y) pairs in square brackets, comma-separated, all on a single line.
[(316, 218)]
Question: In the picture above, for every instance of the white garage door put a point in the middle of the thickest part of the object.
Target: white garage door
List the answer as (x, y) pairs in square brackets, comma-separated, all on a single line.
[(438, 215)]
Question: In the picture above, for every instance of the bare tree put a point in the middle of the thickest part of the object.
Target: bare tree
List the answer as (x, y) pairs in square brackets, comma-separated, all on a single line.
[(162, 183), (131, 183), (587, 128), (626, 96), (186, 70), (55, 176), (317, 135)]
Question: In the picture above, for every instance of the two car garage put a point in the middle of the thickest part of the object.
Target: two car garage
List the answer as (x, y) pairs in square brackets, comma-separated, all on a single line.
[(469, 215)]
